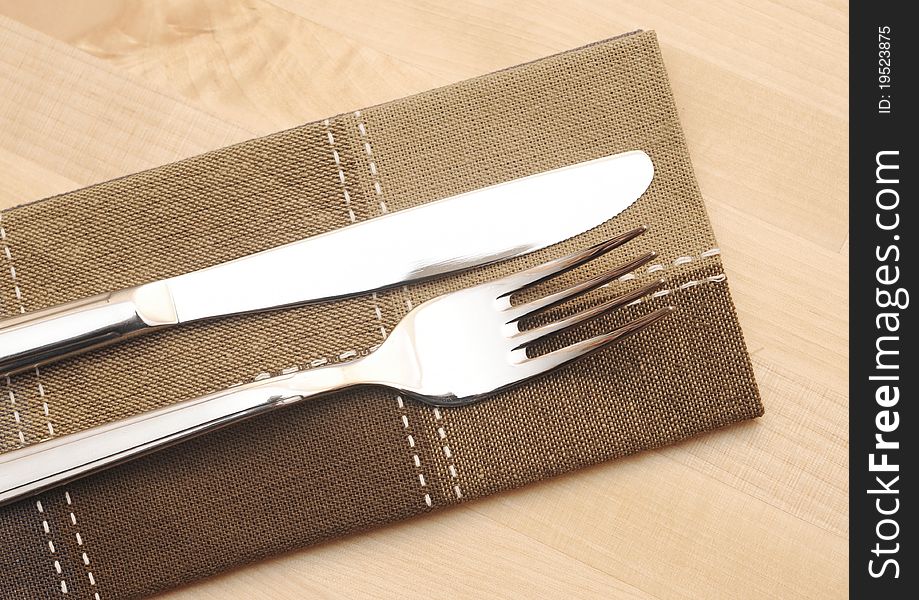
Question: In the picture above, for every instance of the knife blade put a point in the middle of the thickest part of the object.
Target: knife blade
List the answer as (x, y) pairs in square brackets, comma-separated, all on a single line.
[(455, 233)]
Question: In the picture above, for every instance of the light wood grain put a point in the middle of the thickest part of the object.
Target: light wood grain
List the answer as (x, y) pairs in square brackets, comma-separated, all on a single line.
[(758, 510)]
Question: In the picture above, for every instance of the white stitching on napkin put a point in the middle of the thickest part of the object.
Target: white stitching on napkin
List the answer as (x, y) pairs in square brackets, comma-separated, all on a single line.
[(80, 543), (310, 364), (347, 195), (47, 413), (416, 460), (378, 190), (341, 173), (41, 389), (47, 529), (379, 315), (680, 260), (368, 150), (720, 277), (448, 453), (11, 264), (44, 403), (17, 419)]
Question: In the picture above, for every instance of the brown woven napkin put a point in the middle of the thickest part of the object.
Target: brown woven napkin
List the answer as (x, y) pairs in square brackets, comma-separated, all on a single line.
[(361, 458)]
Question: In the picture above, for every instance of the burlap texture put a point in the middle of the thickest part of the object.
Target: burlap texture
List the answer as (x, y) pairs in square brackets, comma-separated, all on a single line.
[(351, 461)]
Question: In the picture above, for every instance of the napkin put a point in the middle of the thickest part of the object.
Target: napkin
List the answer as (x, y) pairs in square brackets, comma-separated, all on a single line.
[(360, 458)]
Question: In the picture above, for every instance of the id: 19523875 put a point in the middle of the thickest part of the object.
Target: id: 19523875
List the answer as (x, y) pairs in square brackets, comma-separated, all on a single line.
[(884, 69)]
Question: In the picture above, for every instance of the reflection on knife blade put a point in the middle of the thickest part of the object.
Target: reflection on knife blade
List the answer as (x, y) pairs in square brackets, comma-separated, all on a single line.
[(451, 234)]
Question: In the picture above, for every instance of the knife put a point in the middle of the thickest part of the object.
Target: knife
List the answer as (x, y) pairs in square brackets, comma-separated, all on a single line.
[(459, 232)]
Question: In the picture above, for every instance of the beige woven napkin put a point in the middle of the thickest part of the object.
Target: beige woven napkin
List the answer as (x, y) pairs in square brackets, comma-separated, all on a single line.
[(362, 458)]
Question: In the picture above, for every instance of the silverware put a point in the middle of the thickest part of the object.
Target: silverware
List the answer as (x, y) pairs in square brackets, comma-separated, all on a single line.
[(449, 351), (471, 229)]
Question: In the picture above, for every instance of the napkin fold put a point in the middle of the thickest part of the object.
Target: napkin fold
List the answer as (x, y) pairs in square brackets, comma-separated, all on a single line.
[(360, 458)]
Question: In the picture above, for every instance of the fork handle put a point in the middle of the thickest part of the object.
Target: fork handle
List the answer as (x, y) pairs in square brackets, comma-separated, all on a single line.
[(43, 336), (39, 466)]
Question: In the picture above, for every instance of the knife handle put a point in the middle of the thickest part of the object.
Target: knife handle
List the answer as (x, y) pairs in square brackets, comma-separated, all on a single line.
[(43, 336)]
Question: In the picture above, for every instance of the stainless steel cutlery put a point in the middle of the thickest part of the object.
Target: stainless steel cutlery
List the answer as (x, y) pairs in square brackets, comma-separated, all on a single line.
[(449, 351), (460, 232)]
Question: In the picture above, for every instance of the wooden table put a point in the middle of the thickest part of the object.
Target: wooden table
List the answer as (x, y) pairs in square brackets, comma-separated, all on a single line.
[(92, 90)]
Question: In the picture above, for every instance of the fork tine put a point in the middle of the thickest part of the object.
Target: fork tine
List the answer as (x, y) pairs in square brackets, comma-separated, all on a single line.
[(557, 358), (530, 308), (530, 336), (539, 273)]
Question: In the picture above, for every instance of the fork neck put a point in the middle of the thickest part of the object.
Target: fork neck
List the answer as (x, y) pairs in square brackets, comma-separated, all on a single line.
[(327, 378), (375, 368)]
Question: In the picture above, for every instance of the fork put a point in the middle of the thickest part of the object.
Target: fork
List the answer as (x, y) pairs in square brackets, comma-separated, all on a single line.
[(449, 351)]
